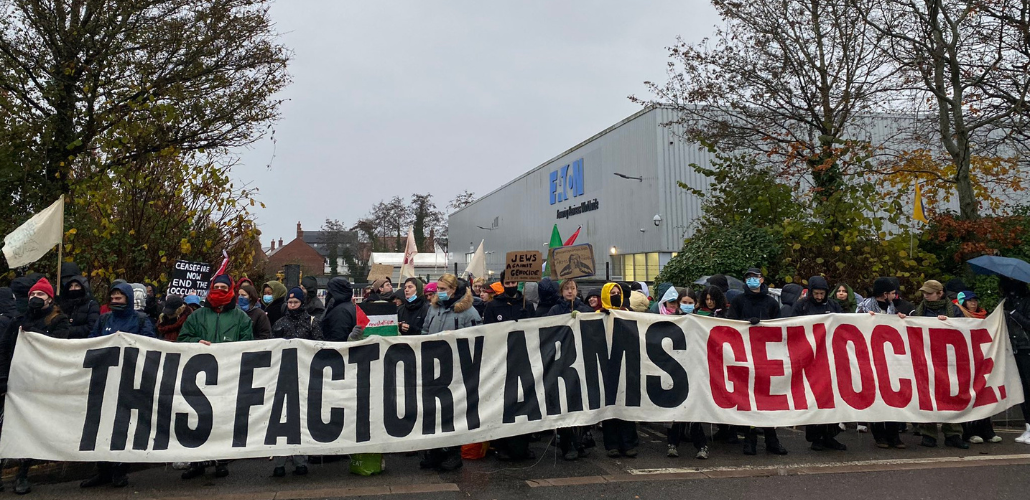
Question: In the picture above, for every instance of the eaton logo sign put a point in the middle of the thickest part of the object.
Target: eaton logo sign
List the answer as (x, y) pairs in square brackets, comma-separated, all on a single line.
[(567, 182)]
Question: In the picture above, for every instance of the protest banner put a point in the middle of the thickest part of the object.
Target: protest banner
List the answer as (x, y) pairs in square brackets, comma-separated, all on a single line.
[(570, 262), (380, 271), (190, 278), (126, 398), (526, 265)]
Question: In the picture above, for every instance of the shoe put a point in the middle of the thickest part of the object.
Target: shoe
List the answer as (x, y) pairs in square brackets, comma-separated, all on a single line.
[(974, 440), (995, 439), (833, 444), (193, 471), (96, 480), (300, 470), (614, 454), (279, 472), (750, 447), (882, 443), (863, 429), (451, 463), (896, 443), (673, 452), (22, 485), (221, 470), (180, 465), (1025, 437), (571, 455), (119, 480), (430, 459), (842, 427), (702, 454), (817, 445), (956, 442), (929, 442), (775, 448), (630, 453)]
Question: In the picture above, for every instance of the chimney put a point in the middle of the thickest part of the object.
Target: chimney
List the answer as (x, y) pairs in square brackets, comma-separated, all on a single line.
[(300, 232), (273, 244), (280, 242)]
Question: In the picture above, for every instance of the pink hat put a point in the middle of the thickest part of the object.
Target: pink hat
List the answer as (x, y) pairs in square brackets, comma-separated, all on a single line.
[(429, 288)]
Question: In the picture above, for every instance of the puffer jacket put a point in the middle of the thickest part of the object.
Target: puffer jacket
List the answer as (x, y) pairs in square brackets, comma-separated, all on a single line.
[(789, 296), (451, 315), (506, 308), (549, 296), (83, 312), (341, 316), (297, 324), (230, 324)]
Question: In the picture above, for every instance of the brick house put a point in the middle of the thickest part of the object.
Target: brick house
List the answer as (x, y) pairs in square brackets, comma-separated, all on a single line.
[(312, 263)]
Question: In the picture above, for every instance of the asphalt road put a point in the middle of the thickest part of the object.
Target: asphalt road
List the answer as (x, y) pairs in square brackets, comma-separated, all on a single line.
[(994, 471)]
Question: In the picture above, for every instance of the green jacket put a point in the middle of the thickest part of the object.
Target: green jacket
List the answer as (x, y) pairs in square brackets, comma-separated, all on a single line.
[(230, 325)]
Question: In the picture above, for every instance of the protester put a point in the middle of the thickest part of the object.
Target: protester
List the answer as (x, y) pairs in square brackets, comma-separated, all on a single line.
[(341, 316), (411, 315), (20, 287), (246, 281), (1017, 319), (548, 291), (429, 292), (381, 289), (192, 301), (882, 301), (8, 309), (669, 304), (397, 298), (677, 302), (273, 296), (900, 304), (312, 304), (969, 304), (509, 305), (77, 303), (451, 310), (172, 317), (936, 305), (571, 439), (153, 303), (620, 436), (845, 297), (569, 302), (217, 322), (247, 300), (481, 295), (755, 305), (789, 295), (593, 299), (712, 302), (638, 302)]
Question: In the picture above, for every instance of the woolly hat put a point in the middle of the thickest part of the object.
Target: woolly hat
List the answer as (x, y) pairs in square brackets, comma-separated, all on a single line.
[(222, 278), (295, 293), (429, 288), (638, 301), (172, 304), (44, 286), (497, 288), (377, 285), (882, 286)]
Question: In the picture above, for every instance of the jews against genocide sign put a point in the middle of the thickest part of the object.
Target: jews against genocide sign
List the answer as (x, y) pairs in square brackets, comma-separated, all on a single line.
[(526, 265), (126, 398), (573, 261), (190, 278), (380, 271)]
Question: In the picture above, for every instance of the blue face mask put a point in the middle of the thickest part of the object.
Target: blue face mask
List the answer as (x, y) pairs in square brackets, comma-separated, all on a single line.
[(442, 296), (753, 283), (412, 298), (687, 308), (244, 303), (267, 299)]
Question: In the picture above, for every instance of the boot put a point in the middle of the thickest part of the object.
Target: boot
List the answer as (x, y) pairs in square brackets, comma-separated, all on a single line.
[(751, 445), (775, 448), (452, 461), (95, 480), (221, 470), (1025, 437), (195, 470)]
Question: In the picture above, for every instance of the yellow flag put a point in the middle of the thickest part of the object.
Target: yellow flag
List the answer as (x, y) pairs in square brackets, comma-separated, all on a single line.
[(917, 211)]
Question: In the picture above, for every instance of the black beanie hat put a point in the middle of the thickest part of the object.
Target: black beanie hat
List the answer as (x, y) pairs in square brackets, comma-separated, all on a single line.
[(882, 286)]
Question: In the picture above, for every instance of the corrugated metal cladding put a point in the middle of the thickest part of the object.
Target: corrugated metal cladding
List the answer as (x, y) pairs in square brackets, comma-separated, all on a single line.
[(637, 147)]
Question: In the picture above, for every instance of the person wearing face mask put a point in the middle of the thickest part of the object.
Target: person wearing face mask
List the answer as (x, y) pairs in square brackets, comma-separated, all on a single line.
[(507, 306), (451, 310), (411, 315), (341, 316), (21, 286), (669, 304), (620, 436), (679, 301), (172, 317), (220, 320), (882, 301), (76, 302), (755, 305), (312, 304), (123, 317), (248, 301), (273, 296)]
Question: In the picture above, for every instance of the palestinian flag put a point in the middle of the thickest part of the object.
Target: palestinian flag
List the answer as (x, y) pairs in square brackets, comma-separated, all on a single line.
[(378, 318)]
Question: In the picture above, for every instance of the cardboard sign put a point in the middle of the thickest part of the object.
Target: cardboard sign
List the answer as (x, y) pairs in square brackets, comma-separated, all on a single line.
[(380, 271), (573, 261), (190, 278), (526, 265)]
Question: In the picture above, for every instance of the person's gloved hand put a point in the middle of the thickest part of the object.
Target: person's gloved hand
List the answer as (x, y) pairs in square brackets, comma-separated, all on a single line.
[(574, 313), (754, 321), (358, 333)]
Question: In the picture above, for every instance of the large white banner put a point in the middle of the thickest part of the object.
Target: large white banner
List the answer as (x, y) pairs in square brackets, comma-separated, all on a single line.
[(133, 399)]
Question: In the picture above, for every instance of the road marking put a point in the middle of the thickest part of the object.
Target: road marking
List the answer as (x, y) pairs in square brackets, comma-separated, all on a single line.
[(684, 473)]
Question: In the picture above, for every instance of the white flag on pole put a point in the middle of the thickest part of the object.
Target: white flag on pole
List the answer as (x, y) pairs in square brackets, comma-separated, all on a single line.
[(410, 251), (36, 236), (477, 266)]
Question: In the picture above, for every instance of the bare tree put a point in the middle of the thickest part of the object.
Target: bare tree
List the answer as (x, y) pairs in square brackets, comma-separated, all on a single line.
[(462, 200), (425, 218)]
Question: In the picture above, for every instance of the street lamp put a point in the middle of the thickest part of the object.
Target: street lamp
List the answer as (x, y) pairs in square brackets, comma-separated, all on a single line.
[(614, 251), (657, 220)]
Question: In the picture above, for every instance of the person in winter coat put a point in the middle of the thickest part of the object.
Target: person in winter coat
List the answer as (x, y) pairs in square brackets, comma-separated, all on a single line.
[(341, 316), (712, 302), (679, 301), (153, 305), (1017, 319), (479, 299), (123, 317), (507, 306), (969, 303), (936, 304), (411, 315), (312, 304), (274, 299), (192, 301), (451, 310), (217, 322), (818, 301), (620, 436), (755, 305), (247, 300), (886, 434), (900, 304), (77, 303), (8, 310), (21, 286), (977, 431), (570, 439), (548, 291), (570, 302), (845, 297), (669, 303), (172, 317), (789, 295), (593, 299), (381, 289), (42, 315), (660, 291)]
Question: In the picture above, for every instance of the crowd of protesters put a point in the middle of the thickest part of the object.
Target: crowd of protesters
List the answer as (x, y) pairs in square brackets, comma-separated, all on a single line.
[(236, 311)]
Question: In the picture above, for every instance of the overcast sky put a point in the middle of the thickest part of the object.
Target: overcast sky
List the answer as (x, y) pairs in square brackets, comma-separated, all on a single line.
[(396, 97)]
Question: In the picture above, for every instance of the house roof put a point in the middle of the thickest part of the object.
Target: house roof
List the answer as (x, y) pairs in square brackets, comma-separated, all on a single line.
[(396, 259)]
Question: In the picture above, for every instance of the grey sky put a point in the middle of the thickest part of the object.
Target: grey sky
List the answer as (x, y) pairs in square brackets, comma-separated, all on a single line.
[(395, 97)]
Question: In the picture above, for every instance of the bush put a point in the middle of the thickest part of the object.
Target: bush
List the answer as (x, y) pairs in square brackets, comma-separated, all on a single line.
[(729, 249)]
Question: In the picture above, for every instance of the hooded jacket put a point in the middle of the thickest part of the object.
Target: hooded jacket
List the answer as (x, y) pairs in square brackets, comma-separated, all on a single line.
[(593, 292), (20, 287), (341, 316), (414, 314), (506, 308), (663, 288), (789, 296), (277, 307), (808, 305), (49, 321), (8, 311), (297, 324), (127, 320), (549, 297), (848, 305), (312, 304), (83, 312), (259, 322), (453, 314), (754, 305)]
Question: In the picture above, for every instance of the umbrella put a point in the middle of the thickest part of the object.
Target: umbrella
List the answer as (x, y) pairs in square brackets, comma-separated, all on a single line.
[(1003, 266), (735, 284)]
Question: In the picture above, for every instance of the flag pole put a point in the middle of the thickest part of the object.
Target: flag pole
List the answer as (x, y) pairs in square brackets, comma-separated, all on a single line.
[(60, 251)]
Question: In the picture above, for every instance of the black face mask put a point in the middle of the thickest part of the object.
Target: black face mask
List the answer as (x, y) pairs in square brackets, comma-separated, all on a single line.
[(74, 294), (36, 304), (511, 290), (117, 307)]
